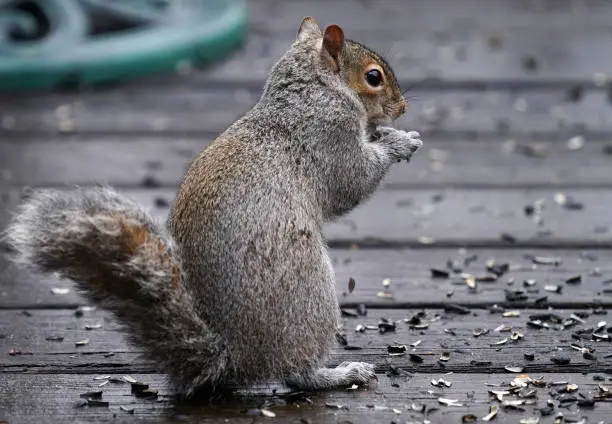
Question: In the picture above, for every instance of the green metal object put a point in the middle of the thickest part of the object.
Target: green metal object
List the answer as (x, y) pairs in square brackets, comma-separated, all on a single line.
[(57, 43)]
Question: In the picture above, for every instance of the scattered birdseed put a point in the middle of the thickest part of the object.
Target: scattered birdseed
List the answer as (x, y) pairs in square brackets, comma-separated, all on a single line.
[(60, 290), (514, 369), (511, 314), (499, 343)]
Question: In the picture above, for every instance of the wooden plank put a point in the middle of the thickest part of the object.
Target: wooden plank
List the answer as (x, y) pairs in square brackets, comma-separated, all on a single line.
[(115, 160), (27, 345), (410, 273), (47, 399), (183, 108), (447, 217)]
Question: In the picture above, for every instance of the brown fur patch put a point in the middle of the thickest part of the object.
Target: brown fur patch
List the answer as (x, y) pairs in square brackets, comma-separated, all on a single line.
[(137, 237)]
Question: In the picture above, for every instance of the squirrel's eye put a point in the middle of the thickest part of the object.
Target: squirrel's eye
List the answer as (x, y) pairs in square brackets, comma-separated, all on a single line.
[(374, 77)]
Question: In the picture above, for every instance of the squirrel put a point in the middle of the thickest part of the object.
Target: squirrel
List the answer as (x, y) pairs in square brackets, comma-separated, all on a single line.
[(237, 287)]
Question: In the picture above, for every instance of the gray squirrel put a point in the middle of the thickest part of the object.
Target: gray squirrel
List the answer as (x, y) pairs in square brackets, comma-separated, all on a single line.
[(238, 288)]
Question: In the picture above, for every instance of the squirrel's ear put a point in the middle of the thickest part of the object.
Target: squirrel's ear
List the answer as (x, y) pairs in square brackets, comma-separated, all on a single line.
[(308, 29), (333, 42)]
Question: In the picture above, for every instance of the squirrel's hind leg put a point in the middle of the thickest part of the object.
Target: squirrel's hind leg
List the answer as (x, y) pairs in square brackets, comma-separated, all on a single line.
[(344, 375)]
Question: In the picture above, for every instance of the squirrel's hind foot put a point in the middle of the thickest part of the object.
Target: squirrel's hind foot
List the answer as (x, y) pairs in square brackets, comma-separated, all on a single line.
[(344, 375)]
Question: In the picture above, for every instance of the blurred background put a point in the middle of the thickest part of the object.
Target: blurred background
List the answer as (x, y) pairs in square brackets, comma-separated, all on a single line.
[(513, 99)]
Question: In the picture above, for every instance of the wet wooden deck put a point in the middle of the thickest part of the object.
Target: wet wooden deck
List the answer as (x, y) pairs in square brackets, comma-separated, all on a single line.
[(499, 90)]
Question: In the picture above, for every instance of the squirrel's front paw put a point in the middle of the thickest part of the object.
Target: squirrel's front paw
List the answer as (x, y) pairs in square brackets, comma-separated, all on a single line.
[(402, 144), (356, 372)]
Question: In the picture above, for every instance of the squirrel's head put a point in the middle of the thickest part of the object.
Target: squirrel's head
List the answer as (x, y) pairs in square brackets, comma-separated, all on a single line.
[(362, 70)]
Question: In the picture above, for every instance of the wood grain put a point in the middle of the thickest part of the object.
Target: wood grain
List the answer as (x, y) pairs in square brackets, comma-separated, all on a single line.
[(387, 400), (26, 345), (127, 161), (451, 217), (410, 273)]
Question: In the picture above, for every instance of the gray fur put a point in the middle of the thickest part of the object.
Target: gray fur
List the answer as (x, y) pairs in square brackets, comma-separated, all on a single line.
[(256, 299), (76, 235)]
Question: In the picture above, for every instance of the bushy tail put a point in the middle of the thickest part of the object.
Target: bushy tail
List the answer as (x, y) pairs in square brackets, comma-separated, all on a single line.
[(120, 257)]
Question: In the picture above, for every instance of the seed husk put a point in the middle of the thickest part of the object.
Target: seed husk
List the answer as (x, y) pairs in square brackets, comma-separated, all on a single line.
[(439, 273), (397, 349), (553, 288), (514, 369), (126, 409), (92, 395), (574, 279), (267, 413), (492, 413), (82, 342), (93, 326), (351, 285), (441, 383), (561, 359), (97, 403), (415, 358), (449, 402), (458, 309), (543, 260)]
